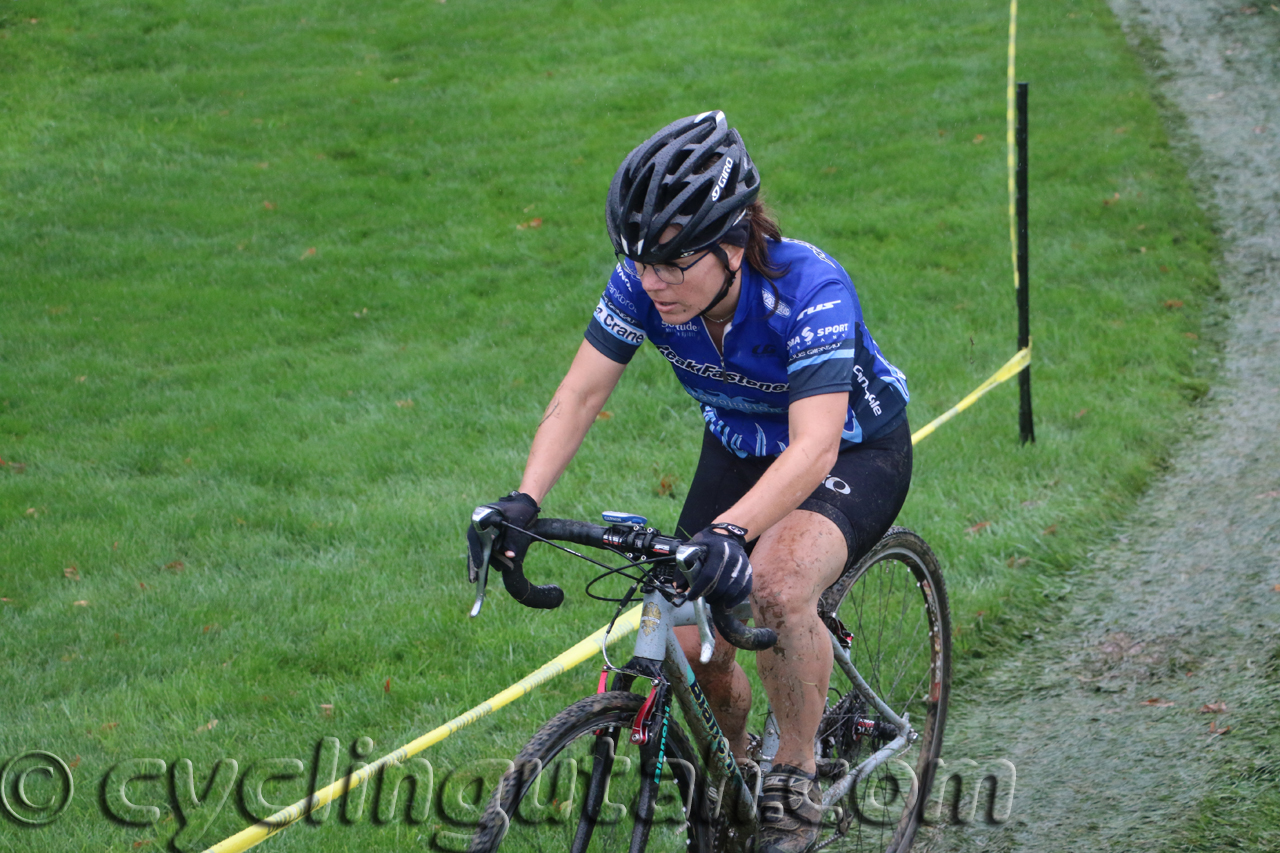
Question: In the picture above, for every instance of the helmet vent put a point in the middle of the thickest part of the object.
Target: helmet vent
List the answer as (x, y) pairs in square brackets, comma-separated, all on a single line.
[(694, 173)]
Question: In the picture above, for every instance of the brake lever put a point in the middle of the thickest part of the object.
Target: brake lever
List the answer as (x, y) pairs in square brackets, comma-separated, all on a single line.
[(703, 611), (689, 558), (484, 521)]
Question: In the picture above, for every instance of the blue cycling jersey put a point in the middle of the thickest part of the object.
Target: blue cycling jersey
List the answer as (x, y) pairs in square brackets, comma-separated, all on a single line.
[(800, 337)]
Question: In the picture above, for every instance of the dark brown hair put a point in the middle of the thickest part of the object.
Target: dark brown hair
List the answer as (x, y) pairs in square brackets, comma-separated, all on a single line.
[(763, 228)]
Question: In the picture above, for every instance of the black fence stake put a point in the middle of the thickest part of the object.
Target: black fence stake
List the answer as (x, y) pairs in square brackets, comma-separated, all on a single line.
[(1025, 423)]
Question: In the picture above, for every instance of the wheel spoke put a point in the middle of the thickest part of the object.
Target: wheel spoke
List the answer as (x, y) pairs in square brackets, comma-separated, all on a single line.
[(585, 798), (883, 602)]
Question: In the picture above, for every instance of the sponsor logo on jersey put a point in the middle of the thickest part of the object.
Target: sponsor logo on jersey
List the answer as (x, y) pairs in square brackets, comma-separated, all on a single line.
[(818, 350), (772, 303), (833, 330), (684, 330), (866, 388), (808, 335), (739, 404), (712, 371), (821, 255), (620, 298), (814, 309), (618, 326)]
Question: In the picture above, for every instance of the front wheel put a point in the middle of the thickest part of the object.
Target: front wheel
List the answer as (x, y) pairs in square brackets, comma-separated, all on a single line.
[(892, 610), (581, 786)]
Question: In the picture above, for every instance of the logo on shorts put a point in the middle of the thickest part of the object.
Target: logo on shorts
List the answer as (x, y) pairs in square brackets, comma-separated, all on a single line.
[(835, 484)]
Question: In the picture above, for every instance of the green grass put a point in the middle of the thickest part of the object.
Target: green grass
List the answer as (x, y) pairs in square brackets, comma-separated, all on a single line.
[(260, 459), (1240, 805)]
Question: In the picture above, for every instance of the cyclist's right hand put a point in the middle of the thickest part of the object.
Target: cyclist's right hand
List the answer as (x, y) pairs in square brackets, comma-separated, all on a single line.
[(724, 577), (509, 547)]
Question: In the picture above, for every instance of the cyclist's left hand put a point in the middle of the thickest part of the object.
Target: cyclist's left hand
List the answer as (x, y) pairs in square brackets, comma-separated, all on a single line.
[(724, 578), (520, 511)]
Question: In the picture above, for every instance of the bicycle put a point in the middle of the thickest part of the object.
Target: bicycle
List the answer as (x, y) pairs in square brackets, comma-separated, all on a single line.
[(615, 771)]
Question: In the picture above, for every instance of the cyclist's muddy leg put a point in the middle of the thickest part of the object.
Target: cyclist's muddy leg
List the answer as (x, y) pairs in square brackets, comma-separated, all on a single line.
[(794, 562), (725, 684)]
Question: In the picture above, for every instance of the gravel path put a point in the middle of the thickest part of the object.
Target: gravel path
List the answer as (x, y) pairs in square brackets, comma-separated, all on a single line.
[(1101, 717)]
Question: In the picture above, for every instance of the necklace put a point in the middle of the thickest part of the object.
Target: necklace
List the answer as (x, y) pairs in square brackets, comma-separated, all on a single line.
[(719, 321)]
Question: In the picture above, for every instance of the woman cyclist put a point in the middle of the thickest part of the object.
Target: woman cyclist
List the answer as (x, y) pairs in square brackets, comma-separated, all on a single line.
[(806, 458)]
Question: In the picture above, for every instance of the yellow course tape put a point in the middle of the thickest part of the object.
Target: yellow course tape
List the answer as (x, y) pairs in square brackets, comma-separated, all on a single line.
[(1010, 370), (588, 648), (629, 621), (1013, 193)]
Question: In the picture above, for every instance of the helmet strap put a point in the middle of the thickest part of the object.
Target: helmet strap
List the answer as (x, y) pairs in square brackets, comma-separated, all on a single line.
[(728, 281)]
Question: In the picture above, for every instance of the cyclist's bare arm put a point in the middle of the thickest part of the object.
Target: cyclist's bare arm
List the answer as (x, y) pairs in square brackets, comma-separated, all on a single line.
[(580, 397), (815, 424)]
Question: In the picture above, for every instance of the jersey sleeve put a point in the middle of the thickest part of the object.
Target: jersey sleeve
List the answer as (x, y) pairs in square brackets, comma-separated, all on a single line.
[(823, 343), (616, 329)]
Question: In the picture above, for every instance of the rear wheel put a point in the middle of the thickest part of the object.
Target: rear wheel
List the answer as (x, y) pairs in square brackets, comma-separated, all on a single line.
[(892, 609), (576, 787)]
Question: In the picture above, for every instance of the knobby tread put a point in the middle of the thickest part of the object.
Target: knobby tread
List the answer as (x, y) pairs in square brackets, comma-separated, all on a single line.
[(897, 536), (899, 539), (619, 708), (613, 708)]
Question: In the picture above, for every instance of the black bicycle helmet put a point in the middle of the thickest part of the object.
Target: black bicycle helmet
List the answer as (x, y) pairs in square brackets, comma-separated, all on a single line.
[(694, 173)]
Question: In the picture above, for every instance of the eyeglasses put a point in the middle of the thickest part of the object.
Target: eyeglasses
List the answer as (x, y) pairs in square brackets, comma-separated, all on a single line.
[(669, 273)]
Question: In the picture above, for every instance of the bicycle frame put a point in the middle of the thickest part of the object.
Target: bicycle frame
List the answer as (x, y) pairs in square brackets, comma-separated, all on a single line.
[(656, 642), (659, 657)]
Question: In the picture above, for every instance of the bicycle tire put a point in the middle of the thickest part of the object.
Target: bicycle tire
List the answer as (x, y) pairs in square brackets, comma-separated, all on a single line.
[(894, 602), (576, 734)]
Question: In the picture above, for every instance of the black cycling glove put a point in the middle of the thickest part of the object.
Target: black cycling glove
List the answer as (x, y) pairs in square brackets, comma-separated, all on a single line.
[(724, 578), (519, 510)]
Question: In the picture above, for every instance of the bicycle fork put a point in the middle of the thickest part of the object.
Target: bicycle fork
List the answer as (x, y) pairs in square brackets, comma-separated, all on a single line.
[(659, 657)]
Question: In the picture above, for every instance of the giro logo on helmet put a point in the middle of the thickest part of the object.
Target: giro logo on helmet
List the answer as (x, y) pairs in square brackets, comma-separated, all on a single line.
[(724, 178)]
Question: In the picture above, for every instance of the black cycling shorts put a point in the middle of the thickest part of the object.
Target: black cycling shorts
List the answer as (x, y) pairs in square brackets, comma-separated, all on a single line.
[(862, 495)]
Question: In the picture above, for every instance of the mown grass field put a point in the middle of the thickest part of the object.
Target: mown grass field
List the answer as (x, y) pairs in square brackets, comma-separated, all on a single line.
[(272, 328)]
